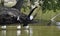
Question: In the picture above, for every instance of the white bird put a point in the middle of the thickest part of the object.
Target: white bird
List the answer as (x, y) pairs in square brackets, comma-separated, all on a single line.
[(9, 3)]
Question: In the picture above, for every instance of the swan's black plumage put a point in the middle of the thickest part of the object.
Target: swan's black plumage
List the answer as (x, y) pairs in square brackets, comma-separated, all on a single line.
[(10, 15)]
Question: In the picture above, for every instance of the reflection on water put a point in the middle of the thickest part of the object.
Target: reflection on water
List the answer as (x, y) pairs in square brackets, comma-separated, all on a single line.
[(3, 32), (14, 30), (17, 30)]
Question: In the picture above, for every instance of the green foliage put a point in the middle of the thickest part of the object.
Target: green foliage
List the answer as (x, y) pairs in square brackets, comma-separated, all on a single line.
[(47, 5), (58, 4), (51, 5)]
